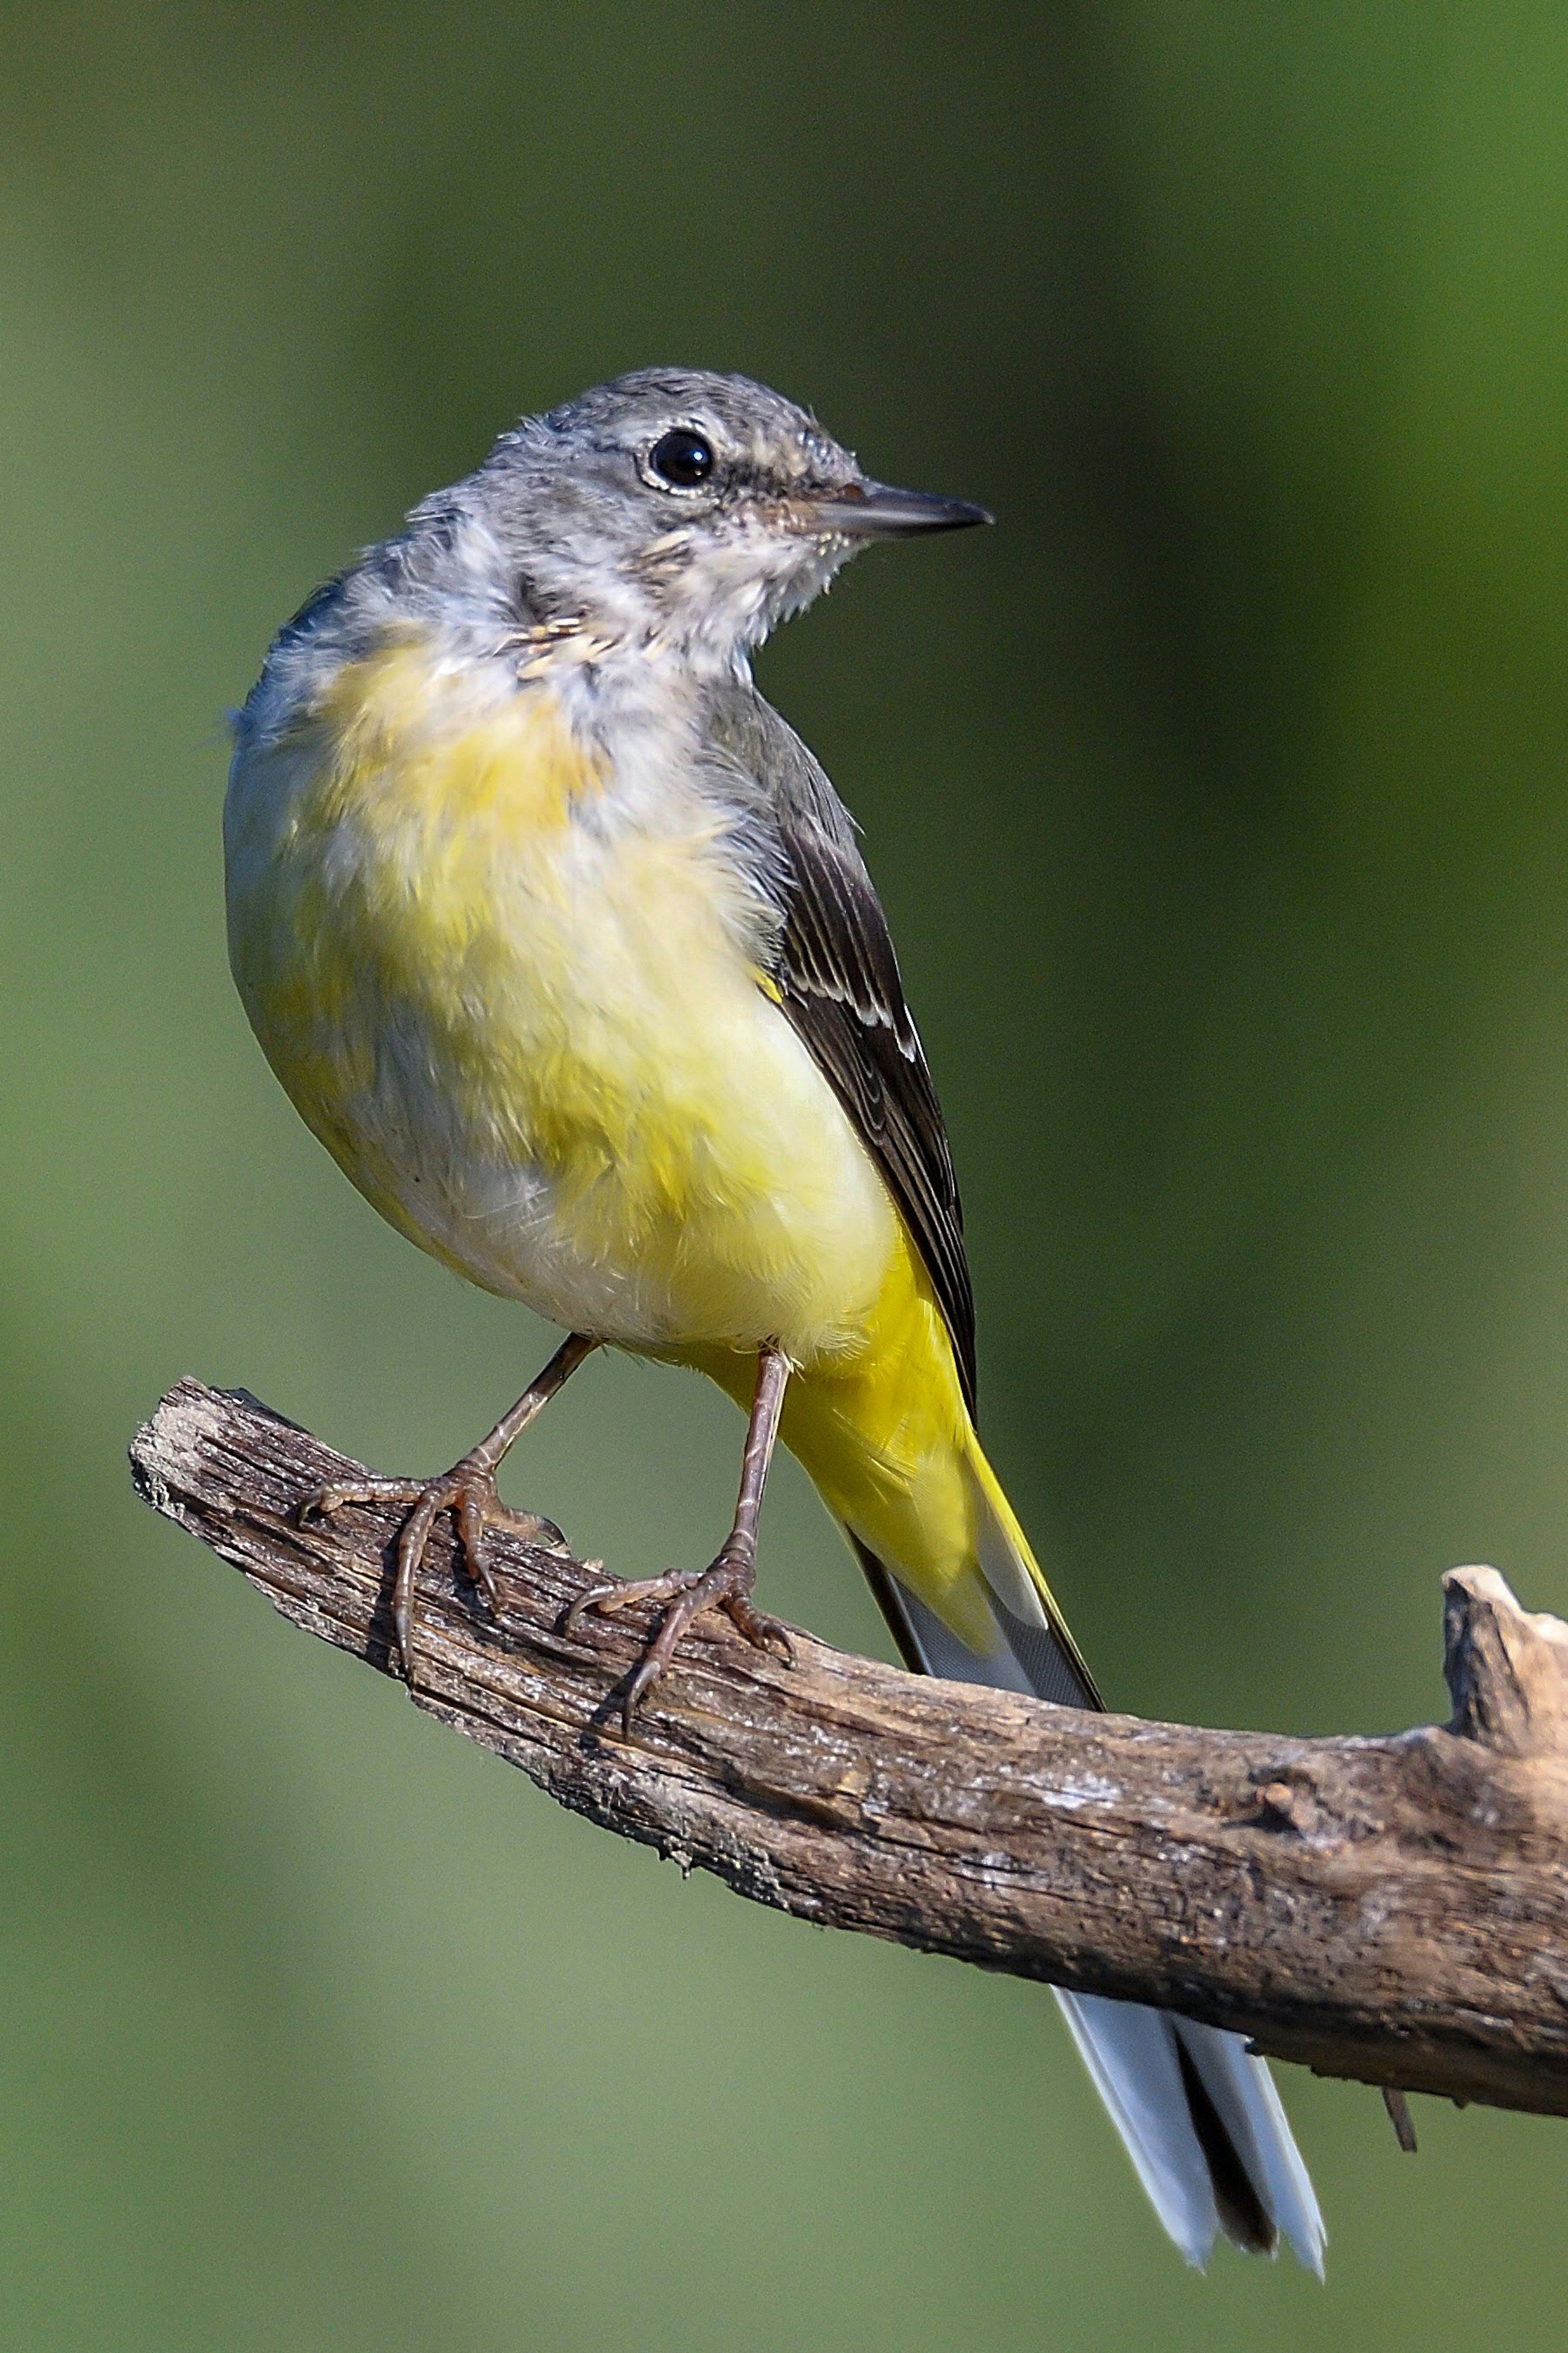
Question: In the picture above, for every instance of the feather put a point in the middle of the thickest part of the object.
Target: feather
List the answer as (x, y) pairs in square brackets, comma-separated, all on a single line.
[(834, 969)]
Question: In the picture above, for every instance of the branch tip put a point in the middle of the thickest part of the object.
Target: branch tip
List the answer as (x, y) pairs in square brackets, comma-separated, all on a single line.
[(1505, 1668)]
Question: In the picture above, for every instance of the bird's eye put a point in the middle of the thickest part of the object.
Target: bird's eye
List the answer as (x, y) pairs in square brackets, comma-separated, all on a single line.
[(682, 458)]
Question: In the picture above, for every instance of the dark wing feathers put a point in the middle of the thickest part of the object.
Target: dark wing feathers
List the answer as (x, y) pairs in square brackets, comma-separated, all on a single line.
[(839, 981), (836, 974), (836, 934)]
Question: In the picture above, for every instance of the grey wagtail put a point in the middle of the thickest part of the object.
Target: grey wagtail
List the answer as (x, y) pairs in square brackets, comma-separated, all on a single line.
[(559, 939)]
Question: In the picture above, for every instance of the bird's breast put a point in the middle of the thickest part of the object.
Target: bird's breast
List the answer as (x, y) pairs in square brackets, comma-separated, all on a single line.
[(505, 976)]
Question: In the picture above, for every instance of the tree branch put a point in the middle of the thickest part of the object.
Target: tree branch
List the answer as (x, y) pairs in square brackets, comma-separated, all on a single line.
[(1392, 1909)]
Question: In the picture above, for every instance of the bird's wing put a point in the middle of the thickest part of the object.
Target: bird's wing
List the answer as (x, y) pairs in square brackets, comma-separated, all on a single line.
[(833, 963)]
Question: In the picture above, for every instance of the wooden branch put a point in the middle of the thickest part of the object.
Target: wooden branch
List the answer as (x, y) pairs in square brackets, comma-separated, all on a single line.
[(1392, 1909)]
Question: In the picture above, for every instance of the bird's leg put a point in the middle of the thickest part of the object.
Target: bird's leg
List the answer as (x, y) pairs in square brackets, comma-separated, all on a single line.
[(467, 1491), (726, 1583)]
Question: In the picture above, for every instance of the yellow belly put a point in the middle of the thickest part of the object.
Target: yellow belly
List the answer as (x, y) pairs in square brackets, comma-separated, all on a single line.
[(528, 1030)]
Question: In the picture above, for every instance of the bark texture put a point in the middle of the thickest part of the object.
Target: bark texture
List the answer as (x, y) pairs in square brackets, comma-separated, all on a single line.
[(1390, 1909)]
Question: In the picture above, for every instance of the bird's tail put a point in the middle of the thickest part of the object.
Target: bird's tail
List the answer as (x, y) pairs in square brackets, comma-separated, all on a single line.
[(1199, 2113)]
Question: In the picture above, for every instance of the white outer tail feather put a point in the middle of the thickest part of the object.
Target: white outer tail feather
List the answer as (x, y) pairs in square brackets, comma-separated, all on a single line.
[(1131, 2054)]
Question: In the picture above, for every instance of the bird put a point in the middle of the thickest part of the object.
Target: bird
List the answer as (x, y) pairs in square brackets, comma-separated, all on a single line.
[(562, 944)]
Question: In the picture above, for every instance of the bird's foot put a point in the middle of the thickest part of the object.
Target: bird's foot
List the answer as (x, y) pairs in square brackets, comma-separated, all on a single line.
[(469, 1491), (726, 1585)]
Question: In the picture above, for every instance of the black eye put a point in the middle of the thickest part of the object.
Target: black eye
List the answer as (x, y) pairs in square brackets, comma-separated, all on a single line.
[(682, 458)]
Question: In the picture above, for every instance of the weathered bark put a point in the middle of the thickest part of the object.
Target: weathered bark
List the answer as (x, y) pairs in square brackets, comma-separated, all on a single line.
[(1392, 1909)]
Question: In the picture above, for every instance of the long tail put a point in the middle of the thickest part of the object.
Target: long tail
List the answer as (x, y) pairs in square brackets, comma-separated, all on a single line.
[(1199, 2115)]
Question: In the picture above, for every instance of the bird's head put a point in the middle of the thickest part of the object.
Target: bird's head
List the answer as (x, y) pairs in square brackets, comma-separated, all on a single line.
[(685, 511)]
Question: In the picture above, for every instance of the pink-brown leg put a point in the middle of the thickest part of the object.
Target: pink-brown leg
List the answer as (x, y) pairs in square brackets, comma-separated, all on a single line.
[(727, 1581), (467, 1491)]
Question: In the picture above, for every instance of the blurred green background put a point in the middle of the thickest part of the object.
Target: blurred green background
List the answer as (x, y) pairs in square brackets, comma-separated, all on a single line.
[(1218, 798)]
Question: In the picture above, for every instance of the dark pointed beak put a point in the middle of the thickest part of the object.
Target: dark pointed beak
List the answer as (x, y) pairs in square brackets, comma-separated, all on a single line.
[(874, 511)]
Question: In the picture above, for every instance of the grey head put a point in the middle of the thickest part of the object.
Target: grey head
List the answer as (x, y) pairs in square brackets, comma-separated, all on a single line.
[(688, 510), (672, 510)]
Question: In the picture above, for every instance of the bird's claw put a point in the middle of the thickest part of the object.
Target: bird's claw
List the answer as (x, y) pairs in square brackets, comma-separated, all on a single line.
[(686, 1593), (469, 1491)]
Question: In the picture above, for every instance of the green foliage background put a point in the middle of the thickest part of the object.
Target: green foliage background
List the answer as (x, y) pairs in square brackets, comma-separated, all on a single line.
[(1218, 798)]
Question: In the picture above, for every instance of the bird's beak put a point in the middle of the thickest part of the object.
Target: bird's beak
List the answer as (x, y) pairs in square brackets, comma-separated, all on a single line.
[(875, 510)]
